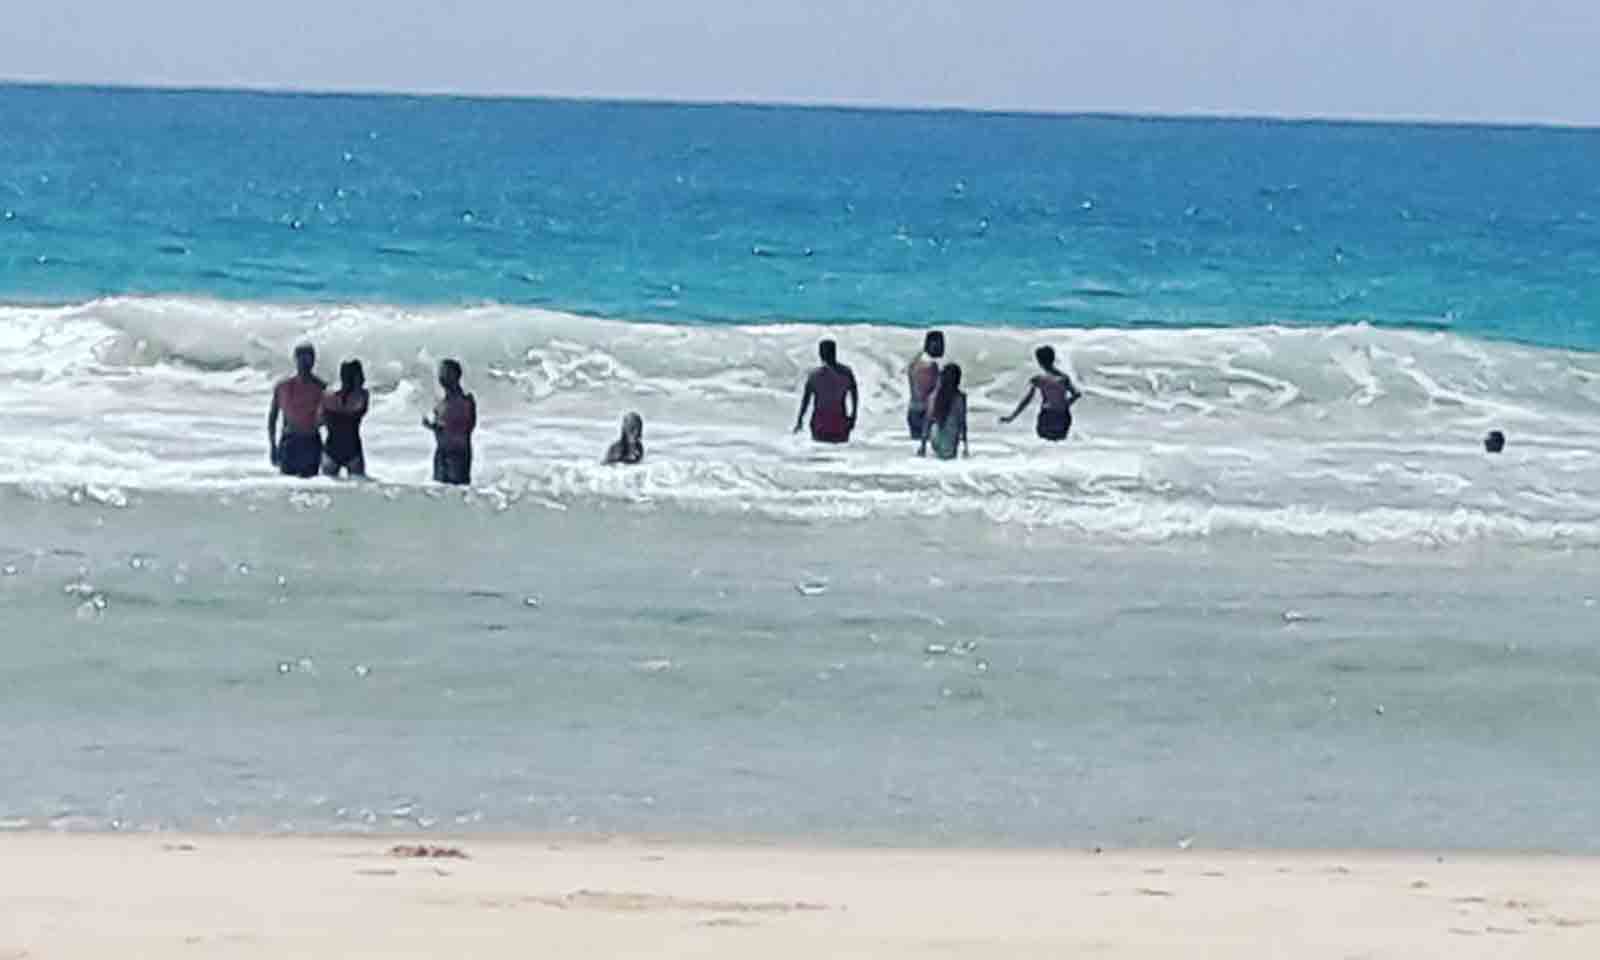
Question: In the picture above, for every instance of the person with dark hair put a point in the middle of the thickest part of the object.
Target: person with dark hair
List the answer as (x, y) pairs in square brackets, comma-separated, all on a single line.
[(453, 420), (628, 448), (342, 411), (923, 377), (298, 451), (1495, 442), (1057, 395), (946, 426), (833, 388)]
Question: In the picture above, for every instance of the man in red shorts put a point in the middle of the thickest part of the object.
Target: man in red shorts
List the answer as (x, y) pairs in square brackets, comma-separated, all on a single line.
[(833, 387)]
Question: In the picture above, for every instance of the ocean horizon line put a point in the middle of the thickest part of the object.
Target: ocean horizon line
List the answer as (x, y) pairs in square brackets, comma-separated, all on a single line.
[(1134, 115)]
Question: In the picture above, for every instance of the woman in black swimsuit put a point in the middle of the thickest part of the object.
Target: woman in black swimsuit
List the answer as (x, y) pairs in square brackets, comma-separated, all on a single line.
[(342, 411), (1057, 395)]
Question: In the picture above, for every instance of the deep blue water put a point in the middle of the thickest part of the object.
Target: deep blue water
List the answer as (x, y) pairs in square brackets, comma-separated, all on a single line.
[(745, 214)]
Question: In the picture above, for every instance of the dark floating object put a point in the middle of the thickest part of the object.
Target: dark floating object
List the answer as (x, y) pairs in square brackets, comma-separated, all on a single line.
[(1494, 442)]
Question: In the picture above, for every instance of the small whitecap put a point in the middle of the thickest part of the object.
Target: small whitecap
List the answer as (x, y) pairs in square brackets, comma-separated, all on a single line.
[(244, 569), (532, 602), (936, 649), (361, 670), (811, 588), (9, 570), (285, 667)]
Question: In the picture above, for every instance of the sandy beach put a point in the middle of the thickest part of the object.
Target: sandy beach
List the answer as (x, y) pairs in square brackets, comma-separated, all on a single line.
[(93, 896)]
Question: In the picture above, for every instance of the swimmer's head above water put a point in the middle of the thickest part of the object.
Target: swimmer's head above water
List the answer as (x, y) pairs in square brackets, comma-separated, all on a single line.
[(450, 374), (305, 359), (829, 352), (1494, 442), (933, 344), (1046, 356), (633, 427), (351, 376)]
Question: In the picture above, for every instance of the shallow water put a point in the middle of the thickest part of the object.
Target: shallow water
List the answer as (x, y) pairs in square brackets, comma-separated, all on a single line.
[(362, 662)]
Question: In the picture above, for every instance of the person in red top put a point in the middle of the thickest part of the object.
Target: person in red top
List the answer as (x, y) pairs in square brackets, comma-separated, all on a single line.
[(297, 452), (833, 387), (454, 418)]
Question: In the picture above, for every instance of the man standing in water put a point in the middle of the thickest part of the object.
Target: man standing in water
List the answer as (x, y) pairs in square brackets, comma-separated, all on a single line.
[(1057, 393), (923, 375), (833, 387), (298, 452), (453, 420)]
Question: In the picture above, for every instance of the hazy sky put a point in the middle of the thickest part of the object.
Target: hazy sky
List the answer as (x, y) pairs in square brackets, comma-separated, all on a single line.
[(1463, 59)]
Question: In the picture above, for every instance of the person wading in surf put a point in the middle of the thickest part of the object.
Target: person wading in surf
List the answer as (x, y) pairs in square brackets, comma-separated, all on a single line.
[(946, 428), (629, 447), (833, 387), (342, 411), (453, 420), (1057, 395), (923, 377), (298, 451)]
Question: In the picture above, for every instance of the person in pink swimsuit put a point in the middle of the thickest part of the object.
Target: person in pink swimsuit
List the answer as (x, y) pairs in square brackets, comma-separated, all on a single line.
[(297, 452), (832, 387)]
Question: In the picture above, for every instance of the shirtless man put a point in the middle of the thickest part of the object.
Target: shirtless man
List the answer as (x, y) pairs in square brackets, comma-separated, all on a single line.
[(923, 377), (1057, 394), (454, 418), (831, 386), (298, 451)]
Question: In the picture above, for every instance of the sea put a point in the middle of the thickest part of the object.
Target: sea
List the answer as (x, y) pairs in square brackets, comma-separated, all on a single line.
[(1271, 593)]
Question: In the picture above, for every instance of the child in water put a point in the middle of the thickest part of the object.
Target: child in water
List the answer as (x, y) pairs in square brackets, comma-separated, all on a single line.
[(629, 447), (946, 426), (453, 420)]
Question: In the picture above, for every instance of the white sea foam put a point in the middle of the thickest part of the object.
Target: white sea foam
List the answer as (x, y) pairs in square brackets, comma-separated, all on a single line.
[(1347, 432)]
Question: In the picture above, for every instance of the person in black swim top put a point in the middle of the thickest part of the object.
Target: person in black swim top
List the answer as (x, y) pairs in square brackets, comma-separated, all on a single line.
[(342, 411), (1057, 394)]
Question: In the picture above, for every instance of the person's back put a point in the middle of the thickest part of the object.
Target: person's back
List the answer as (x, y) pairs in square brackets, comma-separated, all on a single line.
[(830, 419), (1057, 394), (922, 379), (946, 429), (832, 387)]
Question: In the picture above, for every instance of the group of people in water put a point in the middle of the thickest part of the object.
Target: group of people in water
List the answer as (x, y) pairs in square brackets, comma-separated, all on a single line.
[(307, 408), (936, 415), (321, 427)]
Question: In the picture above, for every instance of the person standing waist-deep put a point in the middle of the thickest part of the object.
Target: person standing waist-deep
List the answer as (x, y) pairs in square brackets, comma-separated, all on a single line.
[(832, 387), (454, 418), (297, 452)]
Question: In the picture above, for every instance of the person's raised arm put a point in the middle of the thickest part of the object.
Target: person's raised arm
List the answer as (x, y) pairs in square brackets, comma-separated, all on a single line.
[(1027, 398), (272, 429), (805, 404)]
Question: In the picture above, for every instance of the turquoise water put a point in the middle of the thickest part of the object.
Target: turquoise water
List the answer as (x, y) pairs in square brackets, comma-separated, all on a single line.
[(742, 214), (1272, 592)]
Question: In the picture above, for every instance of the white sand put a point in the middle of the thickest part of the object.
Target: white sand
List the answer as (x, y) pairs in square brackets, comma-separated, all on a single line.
[(64, 896)]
